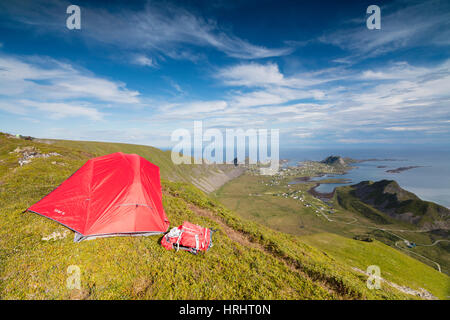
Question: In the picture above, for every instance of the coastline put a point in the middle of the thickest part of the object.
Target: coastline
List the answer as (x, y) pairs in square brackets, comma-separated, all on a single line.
[(326, 196)]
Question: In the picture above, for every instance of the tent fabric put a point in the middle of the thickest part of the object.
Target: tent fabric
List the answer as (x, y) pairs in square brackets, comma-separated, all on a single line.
[(117, 194)]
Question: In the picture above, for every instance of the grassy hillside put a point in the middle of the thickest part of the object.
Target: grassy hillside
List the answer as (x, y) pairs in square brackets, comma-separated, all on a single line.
[(248, 261), (402, 201), (393, 264), (290, 208)]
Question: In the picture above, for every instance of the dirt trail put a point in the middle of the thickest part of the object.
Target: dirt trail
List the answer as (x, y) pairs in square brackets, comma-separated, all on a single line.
[(230, 232)]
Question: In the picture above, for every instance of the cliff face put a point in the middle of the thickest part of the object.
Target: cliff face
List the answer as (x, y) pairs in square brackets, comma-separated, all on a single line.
[(388, 197), (214, 179)]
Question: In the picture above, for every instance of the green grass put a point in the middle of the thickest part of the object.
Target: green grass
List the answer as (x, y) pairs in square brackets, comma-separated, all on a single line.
[(264, 264), (394, 265), (291, 216), (138, 267), (439, 253), (350, 203), (314, 263)]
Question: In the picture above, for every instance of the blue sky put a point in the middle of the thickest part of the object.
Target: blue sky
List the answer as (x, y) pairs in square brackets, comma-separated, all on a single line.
[(134, 73)]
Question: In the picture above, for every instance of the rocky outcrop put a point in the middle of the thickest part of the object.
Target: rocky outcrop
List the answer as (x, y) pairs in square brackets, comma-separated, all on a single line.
[(29, 153), (334, 160), (340, 161)]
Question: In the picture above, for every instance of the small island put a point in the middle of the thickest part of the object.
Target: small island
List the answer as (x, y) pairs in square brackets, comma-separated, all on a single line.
[(401, 169)]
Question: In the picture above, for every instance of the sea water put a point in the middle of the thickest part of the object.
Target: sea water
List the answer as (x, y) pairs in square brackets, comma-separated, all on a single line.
[(431, 181)]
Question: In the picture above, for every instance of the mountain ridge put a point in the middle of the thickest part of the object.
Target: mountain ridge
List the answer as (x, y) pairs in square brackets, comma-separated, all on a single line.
[(388, 197)]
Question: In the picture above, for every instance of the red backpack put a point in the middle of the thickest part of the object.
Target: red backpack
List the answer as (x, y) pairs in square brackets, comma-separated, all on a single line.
[(189, 237)]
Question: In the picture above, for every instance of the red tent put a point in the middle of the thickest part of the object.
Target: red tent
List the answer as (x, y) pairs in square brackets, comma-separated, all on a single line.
[(117, 194)]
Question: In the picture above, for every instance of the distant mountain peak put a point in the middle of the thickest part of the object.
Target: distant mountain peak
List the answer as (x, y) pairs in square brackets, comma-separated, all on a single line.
[(384, 187)]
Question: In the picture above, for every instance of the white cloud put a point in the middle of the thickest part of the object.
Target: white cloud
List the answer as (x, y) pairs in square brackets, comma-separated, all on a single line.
[(395, 100), (269, 75), (41, 78), (422, 24), (399, 71), (50, 88), (303, 134), (58, 110), (258, 98), (408, 128), (53, 110), (365, 141), (80, 86), (32, 120), (398, 98), (269, 86), (161, 28), (166, 28), (176, 86), (192, 109), (251, 74), (143, 60)]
